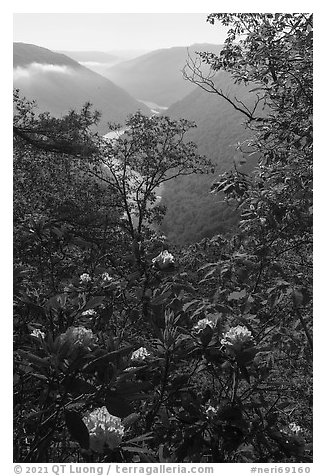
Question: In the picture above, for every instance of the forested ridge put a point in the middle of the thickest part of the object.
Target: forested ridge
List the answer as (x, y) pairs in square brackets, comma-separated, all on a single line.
[(132, 346), (193, 212), (58, 84), (157, 76)]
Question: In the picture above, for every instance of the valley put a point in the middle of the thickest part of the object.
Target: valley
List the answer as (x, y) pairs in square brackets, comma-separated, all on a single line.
[(152, 83)]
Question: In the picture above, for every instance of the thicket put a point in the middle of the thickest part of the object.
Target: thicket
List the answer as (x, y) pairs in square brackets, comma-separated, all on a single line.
[(128, 348)]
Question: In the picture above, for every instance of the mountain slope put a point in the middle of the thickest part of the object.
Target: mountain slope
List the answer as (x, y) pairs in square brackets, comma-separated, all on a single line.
[(59, 84), (192, 212), (97, 61), (25, 54), (157, 76)]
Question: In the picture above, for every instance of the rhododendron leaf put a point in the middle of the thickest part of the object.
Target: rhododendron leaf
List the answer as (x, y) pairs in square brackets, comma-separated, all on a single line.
[(135, 449), (189, 304), (34, 359), (132, 387), (236, 295), (130, 420), (56, 302), (77, 428), (245, 374), (206, 335), (207, 265), (163, 454), (246, 356), (104, 359), (117, 405), (78, 386), (94, 302), (161, 298), (145, 436)]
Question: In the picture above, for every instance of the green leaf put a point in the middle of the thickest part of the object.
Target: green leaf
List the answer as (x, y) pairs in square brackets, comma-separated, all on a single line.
[(78, 386), (136, 449), (189, 304), (161, 299), (297, 297), (245, 374), (130, 419), (77, 428), (93, 302), (34, 359), (236, 295), (117, 405), (109, 357), (144, 437), (133, 387), (207, 265)]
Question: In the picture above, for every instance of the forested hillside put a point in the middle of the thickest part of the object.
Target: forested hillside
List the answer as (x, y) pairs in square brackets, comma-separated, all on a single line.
[(193, 212), (157, 76), (131, 348), (58, 84), (97, 61)]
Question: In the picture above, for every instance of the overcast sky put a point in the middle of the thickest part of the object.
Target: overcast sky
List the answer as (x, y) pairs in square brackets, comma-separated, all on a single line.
[(115, 31)]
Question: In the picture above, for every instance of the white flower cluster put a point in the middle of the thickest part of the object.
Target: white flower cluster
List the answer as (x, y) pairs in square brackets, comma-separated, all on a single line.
[(89, 312), (106, 277), (85, 278), (211, 411), (140, 355), (203, 323), (38, 333), (105, 430), (78, 336), (236, 337), (294, 428), (164, 260)]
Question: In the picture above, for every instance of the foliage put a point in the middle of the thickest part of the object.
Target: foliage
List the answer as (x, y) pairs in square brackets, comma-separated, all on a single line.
[(130, 349)]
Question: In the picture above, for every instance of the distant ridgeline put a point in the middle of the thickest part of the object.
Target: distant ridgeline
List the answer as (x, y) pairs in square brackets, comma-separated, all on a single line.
[(59, 84), (157, 76), (193, 212)]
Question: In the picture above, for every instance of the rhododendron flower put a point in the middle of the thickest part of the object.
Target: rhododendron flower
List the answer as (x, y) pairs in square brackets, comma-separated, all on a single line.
[(164, 260), (85, 278), (89, 312), (105, 430), (78, 336), (203, 323), (237, 337), (140, 355), (38, 333), (211, 411), (294, 428), (106, 277)]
